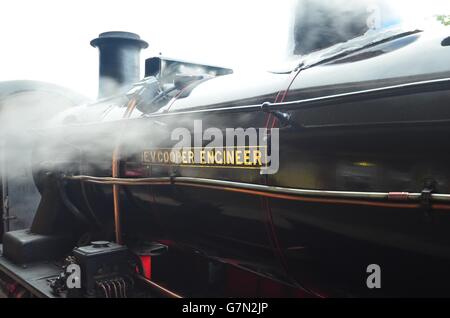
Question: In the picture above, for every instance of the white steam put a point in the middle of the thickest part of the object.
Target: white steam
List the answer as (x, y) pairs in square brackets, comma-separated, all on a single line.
[(25, 108)]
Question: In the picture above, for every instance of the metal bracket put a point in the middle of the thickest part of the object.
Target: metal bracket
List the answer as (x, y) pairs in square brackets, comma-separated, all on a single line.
[(426, 200), (284, 118)]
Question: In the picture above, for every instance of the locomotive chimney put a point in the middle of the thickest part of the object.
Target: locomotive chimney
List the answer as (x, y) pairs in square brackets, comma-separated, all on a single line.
[(119, 61)]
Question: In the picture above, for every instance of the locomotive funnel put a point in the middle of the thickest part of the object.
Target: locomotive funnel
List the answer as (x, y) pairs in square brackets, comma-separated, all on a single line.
[(119, 61)]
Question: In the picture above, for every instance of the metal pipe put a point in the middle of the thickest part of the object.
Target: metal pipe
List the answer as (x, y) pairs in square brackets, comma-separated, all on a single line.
[(264, 190), (116, 173), (163, 291), (388, 91)]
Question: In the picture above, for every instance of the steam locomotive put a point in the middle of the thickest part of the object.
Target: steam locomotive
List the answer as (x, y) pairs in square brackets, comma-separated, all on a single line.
[(358, 176)]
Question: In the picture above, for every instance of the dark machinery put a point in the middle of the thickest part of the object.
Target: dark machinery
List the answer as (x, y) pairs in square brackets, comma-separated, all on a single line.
[(104, 271), (362, 178)]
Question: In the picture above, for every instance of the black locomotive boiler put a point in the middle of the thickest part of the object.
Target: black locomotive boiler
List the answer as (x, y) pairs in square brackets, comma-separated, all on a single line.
[(360, 177)]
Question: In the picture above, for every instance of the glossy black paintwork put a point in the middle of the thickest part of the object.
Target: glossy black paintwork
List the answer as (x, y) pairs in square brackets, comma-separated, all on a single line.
[(394, 143)]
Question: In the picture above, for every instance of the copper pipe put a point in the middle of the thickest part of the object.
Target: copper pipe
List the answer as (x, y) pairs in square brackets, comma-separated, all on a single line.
[(378, 199), (117, 224), (121, 181), (306, 199), (116, 174), (163, 291)]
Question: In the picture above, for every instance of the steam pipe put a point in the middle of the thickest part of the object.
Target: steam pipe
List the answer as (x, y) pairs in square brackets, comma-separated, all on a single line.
[(393, 199), (116, 173), (161, 290)]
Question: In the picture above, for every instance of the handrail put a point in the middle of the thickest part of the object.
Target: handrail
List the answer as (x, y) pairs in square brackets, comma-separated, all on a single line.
[(387, 199)]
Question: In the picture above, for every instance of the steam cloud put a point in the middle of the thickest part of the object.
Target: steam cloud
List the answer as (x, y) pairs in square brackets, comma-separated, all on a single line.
[(323, 23), (25, 108)]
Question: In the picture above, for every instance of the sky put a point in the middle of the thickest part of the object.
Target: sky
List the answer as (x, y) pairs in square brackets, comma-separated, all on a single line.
[(48, 40)]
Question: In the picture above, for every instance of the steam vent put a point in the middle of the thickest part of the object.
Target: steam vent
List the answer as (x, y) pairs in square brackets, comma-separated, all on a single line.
[(119, 64)]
